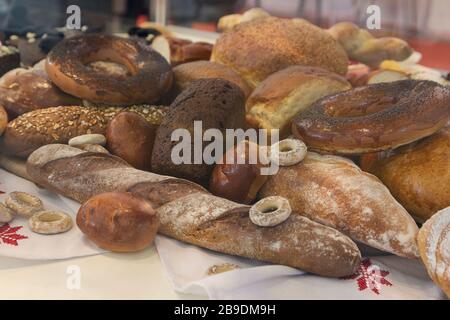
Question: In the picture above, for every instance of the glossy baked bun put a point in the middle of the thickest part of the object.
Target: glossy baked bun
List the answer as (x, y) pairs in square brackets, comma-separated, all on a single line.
[(263, 46), (118, 221), (418, 175), (238, 180)]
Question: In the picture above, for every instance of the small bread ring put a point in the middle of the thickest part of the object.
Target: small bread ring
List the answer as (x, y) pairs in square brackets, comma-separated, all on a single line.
[(374, 118), (92, 138), (270, 211), (24, 204), (6, 214), (288, 152), (50, 222), (93, 148)]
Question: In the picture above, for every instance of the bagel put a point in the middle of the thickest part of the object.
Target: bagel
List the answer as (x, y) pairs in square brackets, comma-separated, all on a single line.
[(374, 117), (149, 75)]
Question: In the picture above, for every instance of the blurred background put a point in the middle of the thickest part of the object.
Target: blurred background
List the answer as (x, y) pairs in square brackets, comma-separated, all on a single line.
[(424, 23)]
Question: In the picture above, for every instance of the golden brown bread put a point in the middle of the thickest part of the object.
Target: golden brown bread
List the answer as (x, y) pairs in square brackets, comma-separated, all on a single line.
[(189, 213), (34, 129), (332, 190), (25, 90), (434, 246), (228, 22), (277, 99), (186, 73), (418, 175), (118, 221), (361, 46), (263, 46), (3, 120)]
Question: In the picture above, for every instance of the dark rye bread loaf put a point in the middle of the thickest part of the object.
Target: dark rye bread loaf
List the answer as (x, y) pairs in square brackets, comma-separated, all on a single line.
[(218, 104), (40, 127)]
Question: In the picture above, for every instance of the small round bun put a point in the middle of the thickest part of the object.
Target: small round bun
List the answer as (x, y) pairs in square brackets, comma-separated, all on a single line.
[(118, 221)]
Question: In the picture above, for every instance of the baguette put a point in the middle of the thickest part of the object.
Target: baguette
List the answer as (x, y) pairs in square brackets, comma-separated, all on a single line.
[(189, 213)]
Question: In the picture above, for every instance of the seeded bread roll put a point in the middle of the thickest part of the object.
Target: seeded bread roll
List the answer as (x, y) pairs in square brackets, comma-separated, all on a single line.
[(34, 129), (218, 104)]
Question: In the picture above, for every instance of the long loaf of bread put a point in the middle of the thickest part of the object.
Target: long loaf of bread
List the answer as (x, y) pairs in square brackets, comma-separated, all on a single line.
[(191, 214)]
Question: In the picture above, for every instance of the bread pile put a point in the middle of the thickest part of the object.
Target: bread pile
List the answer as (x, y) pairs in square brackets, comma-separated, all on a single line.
[(115, 154)]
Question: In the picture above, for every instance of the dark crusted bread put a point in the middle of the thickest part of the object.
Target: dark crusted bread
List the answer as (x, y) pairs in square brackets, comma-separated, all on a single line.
[(37, 128), (218, 104), (9, 59)]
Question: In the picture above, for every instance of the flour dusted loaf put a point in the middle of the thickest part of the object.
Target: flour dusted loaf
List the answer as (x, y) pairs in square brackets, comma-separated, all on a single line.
[(263, 46), (188, 213), (434, 247), (332, 190), (277, 99), (218, 104), (34, 129)]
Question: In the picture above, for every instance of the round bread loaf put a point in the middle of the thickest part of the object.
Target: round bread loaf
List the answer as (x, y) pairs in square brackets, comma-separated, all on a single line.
[(418, 175), (277, 99), (263, 46), (118, 221), (186, 73), (218, 104)]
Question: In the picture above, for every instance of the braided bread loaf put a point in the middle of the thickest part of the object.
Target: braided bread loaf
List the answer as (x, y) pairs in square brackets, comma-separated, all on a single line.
[(361, 46)]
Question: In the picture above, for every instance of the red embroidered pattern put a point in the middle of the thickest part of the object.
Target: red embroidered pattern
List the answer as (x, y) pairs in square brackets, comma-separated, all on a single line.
[(370, 276), (9, 236)]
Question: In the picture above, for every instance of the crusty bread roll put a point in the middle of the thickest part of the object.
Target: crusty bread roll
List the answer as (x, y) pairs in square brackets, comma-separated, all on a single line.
[(434, 247), (34, 129), (228, 22), (361, 46), (25, 90), (418, 174), (261, 47), (218, 104), (189, 213), (332, 190), (118, 221), (186, 73), (277, 99)]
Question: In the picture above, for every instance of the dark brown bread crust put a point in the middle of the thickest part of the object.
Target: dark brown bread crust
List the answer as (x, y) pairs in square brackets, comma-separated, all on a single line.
[(218, 104), (260, 47), (418, 175), (374, 117), (151, 75), (37, 128), (186, 73)]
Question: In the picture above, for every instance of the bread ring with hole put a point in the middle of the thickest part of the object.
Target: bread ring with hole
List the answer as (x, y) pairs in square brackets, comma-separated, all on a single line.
[(270, 211), (6, 214), (149, 75), (92, 138), (374, 117), (288, 152), (24, 204), (50, 222)]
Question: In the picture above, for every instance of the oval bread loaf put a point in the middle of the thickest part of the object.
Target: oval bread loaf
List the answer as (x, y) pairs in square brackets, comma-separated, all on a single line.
[(34, 129)]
